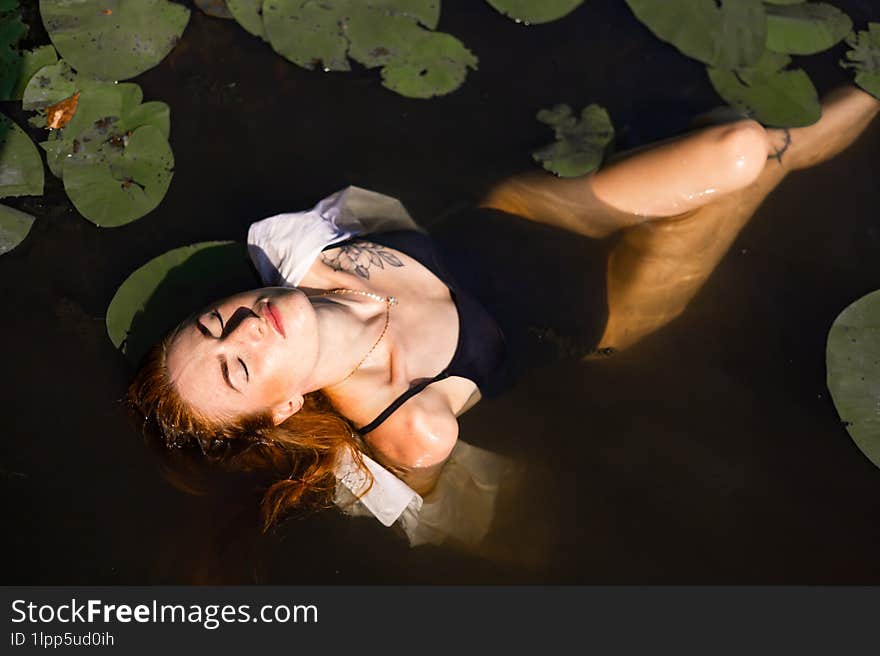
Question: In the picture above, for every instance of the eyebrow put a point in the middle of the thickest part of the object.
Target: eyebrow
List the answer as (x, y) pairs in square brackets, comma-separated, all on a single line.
[(224, 369)]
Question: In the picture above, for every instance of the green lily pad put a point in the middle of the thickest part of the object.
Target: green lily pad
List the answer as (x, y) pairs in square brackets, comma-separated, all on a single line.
[(784, 2), (864, 58), (49, 85), (170, 287), (852, 358), (770, 94), (435, 65), (115, 179), (215, 8), (805, 29), (14, 227), (31, 62), (113, 39), (21, 169), (11, 32), (535, 11), (580, 144), (732, 35), (248, 14), (395, 34)]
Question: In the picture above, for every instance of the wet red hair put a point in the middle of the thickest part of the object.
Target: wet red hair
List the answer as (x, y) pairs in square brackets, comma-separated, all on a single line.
[(294, 461)]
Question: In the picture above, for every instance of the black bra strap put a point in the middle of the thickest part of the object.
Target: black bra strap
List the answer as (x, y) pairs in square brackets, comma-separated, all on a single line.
[(400, 400)]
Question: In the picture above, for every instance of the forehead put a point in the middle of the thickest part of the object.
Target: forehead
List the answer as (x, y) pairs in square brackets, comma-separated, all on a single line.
[(194, 368)]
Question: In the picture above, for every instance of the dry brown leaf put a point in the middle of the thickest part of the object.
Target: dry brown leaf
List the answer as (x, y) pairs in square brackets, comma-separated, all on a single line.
[(59, 114)]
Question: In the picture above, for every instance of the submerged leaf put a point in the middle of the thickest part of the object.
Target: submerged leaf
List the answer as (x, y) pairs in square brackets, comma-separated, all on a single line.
[(113, 39), (580, 144), (535, 11), (732, 35), (165, 290), (21, 169), (114, 179), (805, 29), (864, 58), (14, 227), (31, 62), (11, 31), (853, 364), (770, 94)]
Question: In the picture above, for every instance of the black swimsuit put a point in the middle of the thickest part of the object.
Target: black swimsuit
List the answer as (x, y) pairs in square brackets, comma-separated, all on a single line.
[(481, 351), (527, 294)]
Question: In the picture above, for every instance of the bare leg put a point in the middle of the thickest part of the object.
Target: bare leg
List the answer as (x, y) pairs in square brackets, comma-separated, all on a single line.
[(660, 263)]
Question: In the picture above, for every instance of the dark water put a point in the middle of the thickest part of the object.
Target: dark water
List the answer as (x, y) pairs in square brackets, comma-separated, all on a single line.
[(710, 453)]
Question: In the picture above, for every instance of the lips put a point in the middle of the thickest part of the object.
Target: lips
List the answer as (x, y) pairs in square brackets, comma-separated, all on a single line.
[(274, 319)]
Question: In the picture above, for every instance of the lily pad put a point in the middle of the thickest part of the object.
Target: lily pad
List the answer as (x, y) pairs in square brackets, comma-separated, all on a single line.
[(49, 85), (395, 34), (853, 367), (805, 29), (769, 93), (113, 39), (732, 35), (535, 11), (215, 8), (168, 288), (248, 14), (435, 65), (115, 179), (14, 227), (21, 169), (864, 58), (31, 62), (11, 31), (580, 144)]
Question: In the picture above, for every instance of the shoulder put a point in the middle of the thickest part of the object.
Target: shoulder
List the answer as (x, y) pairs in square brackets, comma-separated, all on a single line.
[(421, 433)]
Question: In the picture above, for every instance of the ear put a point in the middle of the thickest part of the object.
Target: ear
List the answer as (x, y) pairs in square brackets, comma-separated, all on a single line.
[(284, 410)]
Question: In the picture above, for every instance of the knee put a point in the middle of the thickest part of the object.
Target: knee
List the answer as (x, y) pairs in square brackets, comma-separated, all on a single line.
[(742, 150)]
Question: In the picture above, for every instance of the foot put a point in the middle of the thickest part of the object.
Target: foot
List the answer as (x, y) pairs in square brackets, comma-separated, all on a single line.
[(846, 113)]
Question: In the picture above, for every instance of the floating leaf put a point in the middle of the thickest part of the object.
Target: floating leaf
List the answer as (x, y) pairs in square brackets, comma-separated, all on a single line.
[(21, 169), (580, 144), (853, 364), (771, 95), (784, 2), (215, 8), (31, 62), (435, 65), (732, 35), (14, 227), (165, 290), (11, 31), (392, 33), (864, 58), (49, 85), (535, 11), (805, 29), (113, 39), (114, 179), (248, 14), (310, 34)]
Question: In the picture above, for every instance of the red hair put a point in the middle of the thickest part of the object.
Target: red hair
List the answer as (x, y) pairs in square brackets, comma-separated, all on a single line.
[(295, 461)]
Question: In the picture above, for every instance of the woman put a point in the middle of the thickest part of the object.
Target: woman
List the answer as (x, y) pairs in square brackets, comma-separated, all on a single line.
[(275, 378)]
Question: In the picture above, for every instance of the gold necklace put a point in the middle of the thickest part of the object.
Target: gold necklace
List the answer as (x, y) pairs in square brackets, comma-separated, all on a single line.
[(388, 300)]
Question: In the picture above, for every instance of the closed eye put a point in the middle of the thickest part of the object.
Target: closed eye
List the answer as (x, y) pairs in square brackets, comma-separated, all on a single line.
[(246, 373), (216, 315)]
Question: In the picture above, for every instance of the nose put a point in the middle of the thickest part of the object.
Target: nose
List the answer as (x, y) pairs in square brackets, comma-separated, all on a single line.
[(244, 324)]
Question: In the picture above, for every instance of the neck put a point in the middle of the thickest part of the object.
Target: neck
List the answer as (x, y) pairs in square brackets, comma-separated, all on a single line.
[(348, 327)]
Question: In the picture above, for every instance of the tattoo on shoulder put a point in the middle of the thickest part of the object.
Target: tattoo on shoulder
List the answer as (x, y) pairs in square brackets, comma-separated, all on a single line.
[(779, 152), (358, 257)]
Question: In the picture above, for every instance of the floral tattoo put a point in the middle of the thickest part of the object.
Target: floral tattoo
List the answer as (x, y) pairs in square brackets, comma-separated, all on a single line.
[(358, 257)]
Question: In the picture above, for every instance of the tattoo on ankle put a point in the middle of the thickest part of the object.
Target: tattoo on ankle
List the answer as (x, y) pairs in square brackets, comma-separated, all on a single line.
[(777, 155)]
